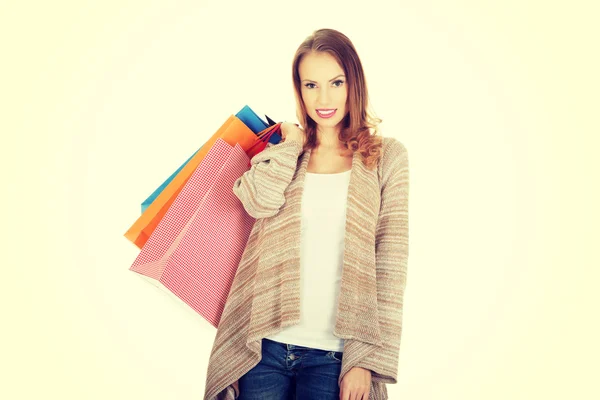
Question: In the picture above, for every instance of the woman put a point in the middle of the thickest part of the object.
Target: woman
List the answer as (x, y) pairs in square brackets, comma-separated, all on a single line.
[(315, 308)]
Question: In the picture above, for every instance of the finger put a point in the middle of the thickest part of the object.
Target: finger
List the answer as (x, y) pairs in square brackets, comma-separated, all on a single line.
[(344, 395)]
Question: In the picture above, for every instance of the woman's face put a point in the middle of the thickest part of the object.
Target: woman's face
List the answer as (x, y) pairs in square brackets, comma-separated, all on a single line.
[(324, 90)]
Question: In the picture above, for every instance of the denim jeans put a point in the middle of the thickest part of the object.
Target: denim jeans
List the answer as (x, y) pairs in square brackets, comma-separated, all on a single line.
[(291, 372)]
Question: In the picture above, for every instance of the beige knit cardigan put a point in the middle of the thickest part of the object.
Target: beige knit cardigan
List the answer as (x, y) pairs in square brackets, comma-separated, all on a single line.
[(265, 293)]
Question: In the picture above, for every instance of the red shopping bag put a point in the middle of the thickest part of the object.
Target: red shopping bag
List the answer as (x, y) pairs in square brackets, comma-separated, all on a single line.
[(196, 248), (233, 132)]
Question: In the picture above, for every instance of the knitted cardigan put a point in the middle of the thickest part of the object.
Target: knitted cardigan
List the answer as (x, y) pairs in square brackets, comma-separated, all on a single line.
[(265, 293)]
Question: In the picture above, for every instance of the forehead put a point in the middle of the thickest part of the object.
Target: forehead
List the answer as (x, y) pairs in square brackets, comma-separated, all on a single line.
[(319, 67)]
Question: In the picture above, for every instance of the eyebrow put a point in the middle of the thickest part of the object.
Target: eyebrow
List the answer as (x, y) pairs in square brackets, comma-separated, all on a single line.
[(308, 80)]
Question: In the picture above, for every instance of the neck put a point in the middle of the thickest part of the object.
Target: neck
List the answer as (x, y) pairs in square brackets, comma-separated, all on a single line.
[(328, 139)]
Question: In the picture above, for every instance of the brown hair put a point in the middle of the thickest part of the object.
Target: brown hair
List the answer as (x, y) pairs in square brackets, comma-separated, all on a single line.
[(356, 128)]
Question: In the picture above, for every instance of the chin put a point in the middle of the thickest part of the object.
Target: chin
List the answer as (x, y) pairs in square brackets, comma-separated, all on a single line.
[(330, 122)]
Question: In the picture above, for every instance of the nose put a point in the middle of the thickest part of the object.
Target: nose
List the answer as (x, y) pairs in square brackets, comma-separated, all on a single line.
[(323, 97)]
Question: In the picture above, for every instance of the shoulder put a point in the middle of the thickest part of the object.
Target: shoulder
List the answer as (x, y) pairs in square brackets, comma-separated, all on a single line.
[(394, 155), (391, 145)]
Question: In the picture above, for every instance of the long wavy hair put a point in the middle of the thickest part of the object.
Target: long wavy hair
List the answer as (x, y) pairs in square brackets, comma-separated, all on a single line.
[(359, 126)]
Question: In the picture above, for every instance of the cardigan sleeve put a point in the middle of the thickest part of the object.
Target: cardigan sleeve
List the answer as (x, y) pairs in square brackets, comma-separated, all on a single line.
[(261, 188), (391, 250)]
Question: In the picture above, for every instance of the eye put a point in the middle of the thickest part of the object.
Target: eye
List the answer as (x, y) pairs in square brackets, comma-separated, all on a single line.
[(306, 85), (338, 81)]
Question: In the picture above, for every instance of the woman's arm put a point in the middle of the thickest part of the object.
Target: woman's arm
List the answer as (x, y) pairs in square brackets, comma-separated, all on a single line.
[(391, 262), (261, 188)]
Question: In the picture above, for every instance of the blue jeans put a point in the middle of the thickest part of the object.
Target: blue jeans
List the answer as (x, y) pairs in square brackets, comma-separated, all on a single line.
[(288, 371)]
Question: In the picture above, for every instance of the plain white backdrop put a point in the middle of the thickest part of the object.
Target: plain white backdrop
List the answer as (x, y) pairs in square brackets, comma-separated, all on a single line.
[(492, 100)]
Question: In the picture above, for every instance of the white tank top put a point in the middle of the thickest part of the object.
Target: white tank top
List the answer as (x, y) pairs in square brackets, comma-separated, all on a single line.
[(324, 200)]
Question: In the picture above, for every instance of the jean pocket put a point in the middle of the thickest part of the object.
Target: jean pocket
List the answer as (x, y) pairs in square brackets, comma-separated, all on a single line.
[(335, 355)]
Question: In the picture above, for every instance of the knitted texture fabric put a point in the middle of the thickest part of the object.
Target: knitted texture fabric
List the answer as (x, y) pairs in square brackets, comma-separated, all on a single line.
[(265, 293)]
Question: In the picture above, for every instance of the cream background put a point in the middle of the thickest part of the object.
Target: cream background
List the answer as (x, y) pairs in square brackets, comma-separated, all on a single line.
[(497, 103)]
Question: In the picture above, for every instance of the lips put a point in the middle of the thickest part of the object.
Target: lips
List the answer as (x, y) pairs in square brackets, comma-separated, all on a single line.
[(325, 112)]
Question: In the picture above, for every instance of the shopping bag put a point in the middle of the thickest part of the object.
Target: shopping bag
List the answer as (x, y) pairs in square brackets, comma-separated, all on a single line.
[(196, 248), (249, 118), (252, 120), (232, 131), (146, 203), (256, 124)]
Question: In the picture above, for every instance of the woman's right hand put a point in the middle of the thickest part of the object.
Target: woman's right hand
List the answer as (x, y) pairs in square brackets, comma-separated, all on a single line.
[(292, 131)]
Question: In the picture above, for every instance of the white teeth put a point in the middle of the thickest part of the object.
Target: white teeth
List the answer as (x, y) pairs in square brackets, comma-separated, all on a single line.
[(325, 112)]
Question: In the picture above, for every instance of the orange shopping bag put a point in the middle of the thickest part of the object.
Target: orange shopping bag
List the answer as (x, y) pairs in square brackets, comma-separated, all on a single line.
[(233, 131)]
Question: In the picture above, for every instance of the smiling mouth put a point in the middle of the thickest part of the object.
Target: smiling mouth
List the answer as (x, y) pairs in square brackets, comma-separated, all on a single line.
[(326, 113)]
